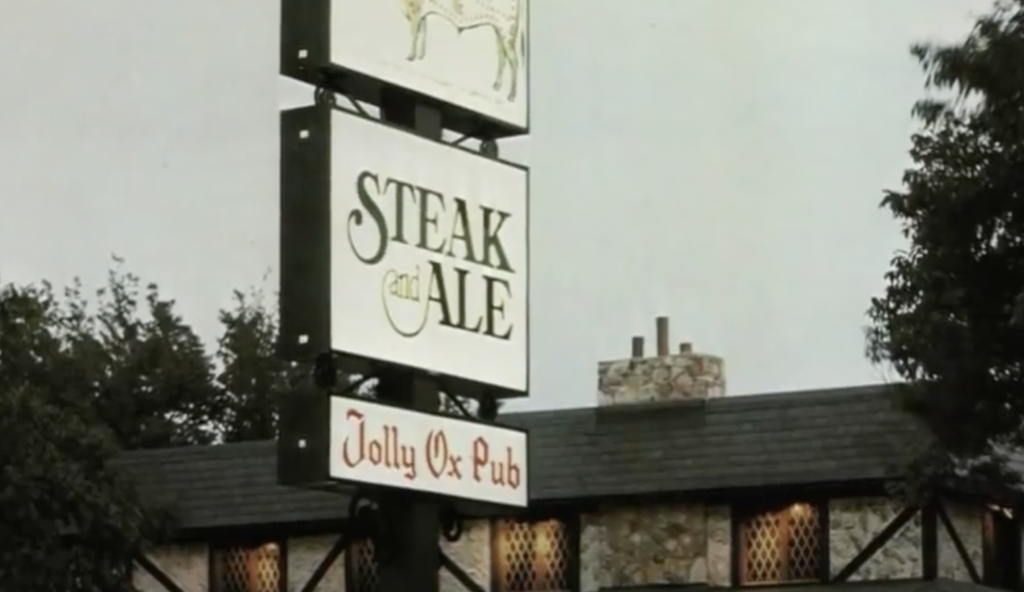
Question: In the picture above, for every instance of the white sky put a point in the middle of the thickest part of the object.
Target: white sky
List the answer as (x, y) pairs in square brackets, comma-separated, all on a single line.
[(716, 161)]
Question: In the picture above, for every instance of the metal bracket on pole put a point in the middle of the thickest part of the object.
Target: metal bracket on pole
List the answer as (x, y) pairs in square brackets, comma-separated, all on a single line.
[(325, 374), (327, 91), (451, 524)]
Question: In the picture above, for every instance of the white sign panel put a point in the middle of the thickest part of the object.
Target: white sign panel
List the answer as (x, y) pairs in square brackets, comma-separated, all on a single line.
[(470, 53), (391, 447), (428, 255)]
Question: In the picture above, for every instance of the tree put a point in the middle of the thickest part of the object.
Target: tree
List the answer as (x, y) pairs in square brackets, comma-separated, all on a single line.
[(150, 376), (252, 377), (68, 521), (951, 320)]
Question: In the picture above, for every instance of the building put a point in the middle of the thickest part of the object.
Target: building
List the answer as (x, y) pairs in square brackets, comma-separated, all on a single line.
[(665, 484)]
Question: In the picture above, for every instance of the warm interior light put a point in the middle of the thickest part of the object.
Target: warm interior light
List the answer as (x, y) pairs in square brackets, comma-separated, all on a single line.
[(542, 551), (799, 511)]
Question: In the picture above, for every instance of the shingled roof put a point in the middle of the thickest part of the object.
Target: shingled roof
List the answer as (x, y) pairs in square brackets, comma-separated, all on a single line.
[(824, 436)]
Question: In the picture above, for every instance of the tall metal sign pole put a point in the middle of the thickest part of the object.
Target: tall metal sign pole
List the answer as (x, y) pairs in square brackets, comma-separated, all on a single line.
[(405, 258)]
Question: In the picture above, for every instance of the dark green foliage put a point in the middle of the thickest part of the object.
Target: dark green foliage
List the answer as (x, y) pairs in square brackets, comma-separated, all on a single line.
[(81, 380), (951, 320), (252, 377), (68, 521), (152, 378)]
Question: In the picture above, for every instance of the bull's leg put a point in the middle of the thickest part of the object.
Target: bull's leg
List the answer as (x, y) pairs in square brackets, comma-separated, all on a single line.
[(421, 35), (512, 57), (499, 78), (415, 26)]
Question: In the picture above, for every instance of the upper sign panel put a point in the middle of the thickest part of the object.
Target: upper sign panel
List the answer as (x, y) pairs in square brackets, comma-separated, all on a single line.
[(429, 257), (469, 53)]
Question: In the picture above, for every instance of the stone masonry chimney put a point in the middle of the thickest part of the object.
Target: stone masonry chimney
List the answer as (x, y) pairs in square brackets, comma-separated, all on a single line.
[(666, 377)]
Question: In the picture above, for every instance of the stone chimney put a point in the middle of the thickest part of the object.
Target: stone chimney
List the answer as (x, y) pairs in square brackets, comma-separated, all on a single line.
[(665, 377)]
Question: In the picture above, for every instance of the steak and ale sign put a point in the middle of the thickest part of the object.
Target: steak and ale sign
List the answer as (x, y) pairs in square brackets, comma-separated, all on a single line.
[(429, 254)]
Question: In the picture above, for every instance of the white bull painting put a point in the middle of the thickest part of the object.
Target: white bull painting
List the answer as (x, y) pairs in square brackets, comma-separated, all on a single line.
[(506, 18)]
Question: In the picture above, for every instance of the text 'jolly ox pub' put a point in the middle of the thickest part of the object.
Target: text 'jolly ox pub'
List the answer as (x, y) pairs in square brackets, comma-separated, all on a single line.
[(435, 454), (427, 228)]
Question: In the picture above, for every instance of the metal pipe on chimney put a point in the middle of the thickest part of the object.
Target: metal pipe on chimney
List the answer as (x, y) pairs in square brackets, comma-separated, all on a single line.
[(662, 324), (638, 347)]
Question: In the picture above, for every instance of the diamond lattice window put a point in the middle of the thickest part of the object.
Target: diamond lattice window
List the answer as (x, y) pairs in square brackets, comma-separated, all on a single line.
[(361, 567), (255, 568), (781, 546), (532, 556)]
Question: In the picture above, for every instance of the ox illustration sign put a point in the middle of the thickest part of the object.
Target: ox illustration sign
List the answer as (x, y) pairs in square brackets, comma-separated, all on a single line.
[(429, 255), (387, 446), (469, 53)]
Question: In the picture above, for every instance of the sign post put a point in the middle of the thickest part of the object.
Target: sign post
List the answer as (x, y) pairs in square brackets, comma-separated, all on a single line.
[(414, 560), (405, 259)]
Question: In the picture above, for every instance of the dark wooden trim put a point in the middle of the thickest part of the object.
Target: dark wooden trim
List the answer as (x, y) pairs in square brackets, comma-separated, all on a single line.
[(325, 564), (929, 541), (824, 541), (723, 496), (735, 546), (260, 532), (282, 565), (211, 559), (869, 550), (961, 550), (350, 559), (493, 536), (460, 574), (574, 523), (158, 574)]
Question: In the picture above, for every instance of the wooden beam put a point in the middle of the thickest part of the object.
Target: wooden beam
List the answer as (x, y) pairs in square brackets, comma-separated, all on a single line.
[(158, 574), (930, 540), (824, 548), (869, 550), (460, 574), (326, 563), (959, 544)]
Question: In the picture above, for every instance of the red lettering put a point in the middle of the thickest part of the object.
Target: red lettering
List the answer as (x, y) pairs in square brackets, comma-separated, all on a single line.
[(481, 454), (358, 417), (375, 452), (498, 473), (437, 453), (513, 469), (503, 474), (387, 451)]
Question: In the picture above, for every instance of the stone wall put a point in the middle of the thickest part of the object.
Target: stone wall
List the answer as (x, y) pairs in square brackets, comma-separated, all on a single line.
[(968, 522), (186, 565), (855, 522), (305, 554), (472, 553), (667, 378), (638, 545), (656, 544)]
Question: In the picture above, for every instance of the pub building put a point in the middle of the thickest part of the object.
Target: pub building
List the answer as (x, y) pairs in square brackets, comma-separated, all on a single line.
[(665, 484)]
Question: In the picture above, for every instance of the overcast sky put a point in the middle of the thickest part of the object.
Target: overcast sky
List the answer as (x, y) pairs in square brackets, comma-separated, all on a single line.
[(716, 161)]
